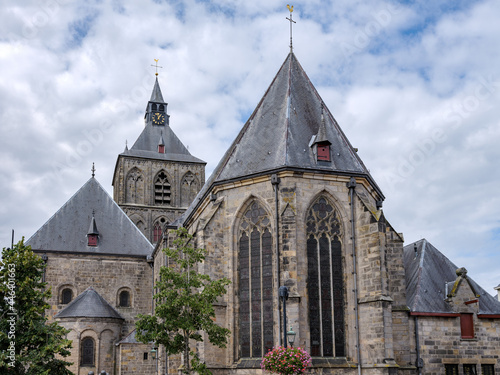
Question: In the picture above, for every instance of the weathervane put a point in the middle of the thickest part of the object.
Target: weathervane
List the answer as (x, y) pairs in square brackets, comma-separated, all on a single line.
[(290, 8), (93, 170), (156, 66)]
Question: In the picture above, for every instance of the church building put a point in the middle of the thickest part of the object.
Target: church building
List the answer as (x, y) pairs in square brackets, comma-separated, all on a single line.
[(290, 204)]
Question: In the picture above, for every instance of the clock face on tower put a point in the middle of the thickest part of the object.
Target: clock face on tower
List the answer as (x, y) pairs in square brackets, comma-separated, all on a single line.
[(158, 118)]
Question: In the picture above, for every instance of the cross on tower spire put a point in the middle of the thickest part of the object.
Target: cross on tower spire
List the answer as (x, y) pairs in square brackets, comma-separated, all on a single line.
[(290, 8), (93, 170), (156, 66)]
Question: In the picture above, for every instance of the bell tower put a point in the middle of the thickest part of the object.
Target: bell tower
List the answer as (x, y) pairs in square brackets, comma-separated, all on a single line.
[(157, 178)]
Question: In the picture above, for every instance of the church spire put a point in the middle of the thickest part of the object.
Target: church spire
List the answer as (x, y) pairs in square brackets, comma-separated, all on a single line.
[(156, 95)]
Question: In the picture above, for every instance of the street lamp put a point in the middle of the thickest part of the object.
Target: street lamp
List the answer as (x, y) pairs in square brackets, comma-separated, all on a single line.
[(291, 336), (154, 355), (283, 294)]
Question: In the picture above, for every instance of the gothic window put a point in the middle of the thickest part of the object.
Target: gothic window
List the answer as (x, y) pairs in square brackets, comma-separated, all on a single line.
[(162, 108), (157, 231), (162, 189), (124, 299), (325, 281), (256, 283), (451, 369), (189, 188), (87, 352), (66, 296), (135, 186), (154, 107)]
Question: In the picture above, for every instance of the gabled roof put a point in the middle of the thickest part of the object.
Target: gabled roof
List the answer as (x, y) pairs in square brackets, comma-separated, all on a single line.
[(89, 304), (67, 230), (427, 272)]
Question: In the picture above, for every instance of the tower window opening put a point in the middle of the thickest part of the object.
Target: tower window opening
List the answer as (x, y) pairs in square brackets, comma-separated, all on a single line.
[(162, 189)]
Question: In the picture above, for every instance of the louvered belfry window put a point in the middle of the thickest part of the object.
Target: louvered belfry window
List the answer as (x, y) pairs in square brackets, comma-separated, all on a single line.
[(325, 281), (255, 283), (162, 189)]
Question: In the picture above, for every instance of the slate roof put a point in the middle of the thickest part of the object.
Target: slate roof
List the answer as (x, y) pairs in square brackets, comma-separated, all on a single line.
[(146, 146), (427, 272), (280, 130), (67, 229), (89, 304), (290, 117)]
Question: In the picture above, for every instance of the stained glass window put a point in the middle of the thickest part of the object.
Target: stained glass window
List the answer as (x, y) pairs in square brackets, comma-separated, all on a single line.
[(256, 283), (325, 281)]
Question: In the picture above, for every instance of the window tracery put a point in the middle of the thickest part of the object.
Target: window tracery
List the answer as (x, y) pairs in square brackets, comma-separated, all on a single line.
[(255, 282), (325, 284)]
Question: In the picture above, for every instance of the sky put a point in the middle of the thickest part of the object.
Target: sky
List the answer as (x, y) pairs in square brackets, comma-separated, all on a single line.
[(415, 86)]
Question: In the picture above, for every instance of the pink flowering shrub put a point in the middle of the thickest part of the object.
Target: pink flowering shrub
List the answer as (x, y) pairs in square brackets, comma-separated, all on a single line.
[(286, 361)]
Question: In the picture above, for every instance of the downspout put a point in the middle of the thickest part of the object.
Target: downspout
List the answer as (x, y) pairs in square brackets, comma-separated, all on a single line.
[(417, 343), (352, 185), (275, 181), (151, 263)]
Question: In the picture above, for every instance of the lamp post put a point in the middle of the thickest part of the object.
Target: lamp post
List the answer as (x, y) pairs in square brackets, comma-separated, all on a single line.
[(283, 294), (154, 355), (291, 336)]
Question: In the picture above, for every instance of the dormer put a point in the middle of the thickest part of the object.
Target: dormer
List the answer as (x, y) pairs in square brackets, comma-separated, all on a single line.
[(320, 142), (93, 233), (161, 144)]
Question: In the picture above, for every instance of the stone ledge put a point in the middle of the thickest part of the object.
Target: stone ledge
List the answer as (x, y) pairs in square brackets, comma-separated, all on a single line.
[(374, 299)]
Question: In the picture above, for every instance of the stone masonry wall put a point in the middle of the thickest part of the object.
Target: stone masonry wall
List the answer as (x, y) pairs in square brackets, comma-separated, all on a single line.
[(441, 343), (215, 225)]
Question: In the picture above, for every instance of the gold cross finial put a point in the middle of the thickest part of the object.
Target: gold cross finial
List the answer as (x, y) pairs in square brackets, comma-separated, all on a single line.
[(156, 66), (290, 8)]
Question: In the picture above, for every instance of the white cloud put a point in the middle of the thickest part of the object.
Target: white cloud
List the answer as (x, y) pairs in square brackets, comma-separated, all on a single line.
[(413, 86)]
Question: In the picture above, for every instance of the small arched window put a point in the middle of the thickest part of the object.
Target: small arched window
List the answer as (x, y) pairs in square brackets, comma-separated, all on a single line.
[(156, 233), (66, 296), (88, 352), (124, 299)]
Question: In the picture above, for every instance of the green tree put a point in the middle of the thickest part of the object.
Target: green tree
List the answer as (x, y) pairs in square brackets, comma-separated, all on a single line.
[(29, 345), (184, 305)]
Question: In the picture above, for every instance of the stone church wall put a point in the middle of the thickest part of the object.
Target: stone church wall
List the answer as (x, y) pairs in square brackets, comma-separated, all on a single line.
[(379, 260), (107, 275)]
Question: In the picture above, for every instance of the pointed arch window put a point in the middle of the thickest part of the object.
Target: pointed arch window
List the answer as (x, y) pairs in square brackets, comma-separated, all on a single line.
[(255, 283), (135, 186), (325, 281), (157, 231), (189, 189), (162, 189), (88, 349)]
